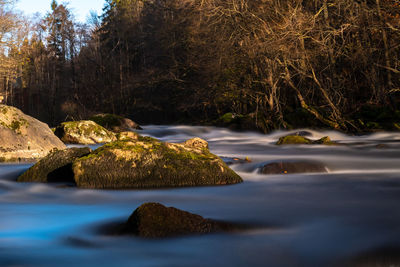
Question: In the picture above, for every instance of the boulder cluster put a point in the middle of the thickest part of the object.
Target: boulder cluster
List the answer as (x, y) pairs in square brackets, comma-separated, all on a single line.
[(127, 160), (134, 161)]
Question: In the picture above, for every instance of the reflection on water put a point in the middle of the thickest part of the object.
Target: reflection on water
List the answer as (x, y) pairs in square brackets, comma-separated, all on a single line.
[(317, 219)]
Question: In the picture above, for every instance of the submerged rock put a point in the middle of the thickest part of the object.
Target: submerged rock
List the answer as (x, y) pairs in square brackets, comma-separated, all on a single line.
[(83, 132), (55, 167), (148, 163), (23, 137), (288, 167), (301, 140), (153, 220), (115, 123)]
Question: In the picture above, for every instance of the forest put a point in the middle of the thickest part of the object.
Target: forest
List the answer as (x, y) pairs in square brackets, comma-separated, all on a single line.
[(246, 64)]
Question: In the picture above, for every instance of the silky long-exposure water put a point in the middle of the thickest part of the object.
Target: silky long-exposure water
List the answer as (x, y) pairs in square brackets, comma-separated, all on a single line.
[(321, 219)]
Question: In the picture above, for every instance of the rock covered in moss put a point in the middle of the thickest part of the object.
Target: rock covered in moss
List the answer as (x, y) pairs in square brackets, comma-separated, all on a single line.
[(148, 163), (153, 220), (23, 137), (301, 140), (115, 123), (288, 167), (55, 167), (127, 136), (83, 132)]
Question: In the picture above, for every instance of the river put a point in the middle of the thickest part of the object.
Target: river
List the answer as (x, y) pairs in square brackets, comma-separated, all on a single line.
[(299, 219)]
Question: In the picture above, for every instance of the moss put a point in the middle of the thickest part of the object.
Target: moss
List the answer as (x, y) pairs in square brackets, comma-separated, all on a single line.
[(301, 140), (127, 136), (293, 140), (149, 163), (82, 132), (15, 125), (326, 140)]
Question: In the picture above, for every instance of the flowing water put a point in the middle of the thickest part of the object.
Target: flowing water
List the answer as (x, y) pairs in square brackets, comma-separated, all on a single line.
[(317, 219)]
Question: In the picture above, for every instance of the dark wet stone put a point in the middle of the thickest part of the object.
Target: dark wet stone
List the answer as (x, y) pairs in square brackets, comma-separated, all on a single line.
[(55, 167), (153, 220), (288, 167)]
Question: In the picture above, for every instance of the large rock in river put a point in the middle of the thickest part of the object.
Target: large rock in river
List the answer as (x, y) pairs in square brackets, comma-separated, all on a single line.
[(153, 220), (115, 123), (55, 167), (83, 132), (145, 162), (23, 137)]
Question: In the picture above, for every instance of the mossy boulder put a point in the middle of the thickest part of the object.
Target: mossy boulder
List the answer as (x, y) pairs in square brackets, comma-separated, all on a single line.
[(23, 137), (84, 132), (153, 220), (55, 167), (289, 167), (148, 163), (115, 123), (127, 136), (301, 140)]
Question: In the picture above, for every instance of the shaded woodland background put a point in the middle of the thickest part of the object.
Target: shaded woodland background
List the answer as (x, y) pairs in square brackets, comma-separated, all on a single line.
[(256, 64)]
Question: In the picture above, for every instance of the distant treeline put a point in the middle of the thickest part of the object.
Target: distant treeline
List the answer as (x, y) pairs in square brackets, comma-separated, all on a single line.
[(265, 64)]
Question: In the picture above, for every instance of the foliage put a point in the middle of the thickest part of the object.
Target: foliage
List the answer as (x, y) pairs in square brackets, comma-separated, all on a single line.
[(280, 64)]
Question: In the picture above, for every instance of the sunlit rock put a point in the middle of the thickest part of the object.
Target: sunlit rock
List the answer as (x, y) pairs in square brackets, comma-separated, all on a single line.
[(115, 123), (153, 220), (301, 140), (289, 167), (55, 167), (23, 137), (127, 135), (148, 163), (83, 132)]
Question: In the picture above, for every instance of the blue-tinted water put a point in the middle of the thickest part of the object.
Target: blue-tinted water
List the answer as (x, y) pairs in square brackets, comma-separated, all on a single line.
[(301, 220)]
